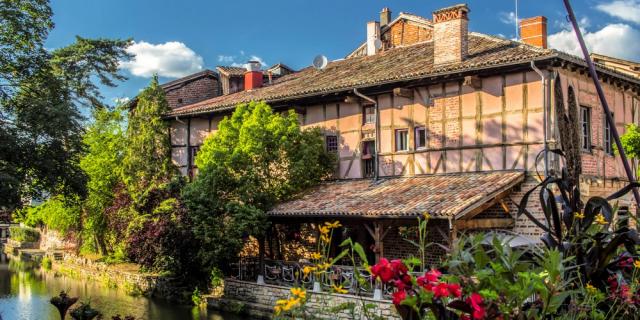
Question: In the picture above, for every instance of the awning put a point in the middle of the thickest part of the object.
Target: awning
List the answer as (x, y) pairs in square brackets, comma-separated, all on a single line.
[(445, 196)]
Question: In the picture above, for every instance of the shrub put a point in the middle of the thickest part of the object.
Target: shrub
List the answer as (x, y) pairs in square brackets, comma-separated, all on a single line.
[(46, 263), (59, 213), (24, 234)]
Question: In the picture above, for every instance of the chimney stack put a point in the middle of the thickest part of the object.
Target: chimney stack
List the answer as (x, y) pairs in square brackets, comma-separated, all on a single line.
[(450, 34), (385, 17), (533, 31), (373, 34), (253, 76)]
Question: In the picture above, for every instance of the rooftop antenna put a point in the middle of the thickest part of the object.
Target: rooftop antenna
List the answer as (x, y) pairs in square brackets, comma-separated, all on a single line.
[(320, 62), (517, 27)]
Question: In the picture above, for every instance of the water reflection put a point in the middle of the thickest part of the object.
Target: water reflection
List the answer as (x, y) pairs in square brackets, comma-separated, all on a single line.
[(25, 293)]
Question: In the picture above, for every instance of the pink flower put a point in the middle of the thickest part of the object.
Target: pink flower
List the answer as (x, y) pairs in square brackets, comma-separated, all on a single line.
[(475, 300), (400, 285), (398, 297)]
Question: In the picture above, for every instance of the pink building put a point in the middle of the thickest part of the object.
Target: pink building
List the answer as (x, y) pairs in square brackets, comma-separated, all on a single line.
[(462, 118)]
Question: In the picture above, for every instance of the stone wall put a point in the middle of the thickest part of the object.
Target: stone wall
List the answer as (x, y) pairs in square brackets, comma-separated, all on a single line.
[(258, 300), (130, 279)]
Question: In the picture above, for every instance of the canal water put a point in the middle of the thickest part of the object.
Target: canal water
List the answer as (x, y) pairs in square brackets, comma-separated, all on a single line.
[(25, 293)]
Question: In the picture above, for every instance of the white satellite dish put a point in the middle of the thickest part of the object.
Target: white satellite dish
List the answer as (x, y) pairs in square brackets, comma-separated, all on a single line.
[(320, 62), (377, 44)]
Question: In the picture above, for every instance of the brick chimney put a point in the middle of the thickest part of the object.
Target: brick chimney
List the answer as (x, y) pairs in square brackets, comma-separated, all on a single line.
[(450, 29), (253, 76), (533, 31), (373, 34), (385, 16)]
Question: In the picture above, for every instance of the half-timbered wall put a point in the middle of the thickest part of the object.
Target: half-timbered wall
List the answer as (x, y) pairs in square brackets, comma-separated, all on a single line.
[(495, 126)]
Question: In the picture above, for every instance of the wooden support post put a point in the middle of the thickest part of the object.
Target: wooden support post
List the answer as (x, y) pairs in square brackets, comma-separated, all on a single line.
[(261, 249), (378, 232)]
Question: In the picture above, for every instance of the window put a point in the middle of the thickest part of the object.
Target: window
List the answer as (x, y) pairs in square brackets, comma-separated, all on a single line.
[(368, 164), (402, 139), (194, 152), (331, 143), (369, 114), (585, 128), (608, 146), (421, 138)]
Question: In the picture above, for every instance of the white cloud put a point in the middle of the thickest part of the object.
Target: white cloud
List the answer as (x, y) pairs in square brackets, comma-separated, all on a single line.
[(240, 60), (225, 59), (170, 59), (617, 40), (121, 101), (628, 10), (508, 17)]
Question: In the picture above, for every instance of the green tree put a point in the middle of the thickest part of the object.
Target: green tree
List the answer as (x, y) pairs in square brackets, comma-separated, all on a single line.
[(105, 141), (147, 161), (256, 159), (41, 94)]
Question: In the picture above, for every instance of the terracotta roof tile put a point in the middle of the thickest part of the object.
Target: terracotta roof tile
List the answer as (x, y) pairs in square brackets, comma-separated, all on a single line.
[(234, 71), (402, 63), (443, 196)]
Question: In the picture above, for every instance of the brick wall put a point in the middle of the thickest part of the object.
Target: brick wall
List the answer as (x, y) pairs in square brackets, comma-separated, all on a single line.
[(193, 91), (450, 29), (405, 33)]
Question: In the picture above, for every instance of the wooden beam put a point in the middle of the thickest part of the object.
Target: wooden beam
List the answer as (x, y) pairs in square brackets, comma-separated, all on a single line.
[(403, 92), (484, 223)]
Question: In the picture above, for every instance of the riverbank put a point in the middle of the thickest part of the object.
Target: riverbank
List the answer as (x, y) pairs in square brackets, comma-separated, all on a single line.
[(125, 276), (25, 291)]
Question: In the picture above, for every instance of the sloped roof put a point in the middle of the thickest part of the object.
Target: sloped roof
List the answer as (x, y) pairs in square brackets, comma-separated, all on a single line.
[(396, 64), (231, 71), (191, 77), (442, 196)]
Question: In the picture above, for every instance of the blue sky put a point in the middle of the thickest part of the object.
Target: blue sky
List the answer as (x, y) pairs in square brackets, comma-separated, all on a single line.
[(175, 38)]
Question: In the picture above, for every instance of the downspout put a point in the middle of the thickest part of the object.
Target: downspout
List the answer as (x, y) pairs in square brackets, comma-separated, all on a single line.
[(545, 99), (377, 132)]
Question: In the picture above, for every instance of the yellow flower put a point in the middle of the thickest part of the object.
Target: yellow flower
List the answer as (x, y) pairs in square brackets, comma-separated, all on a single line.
[(426, 215), (277, 309), (281, 302), (316, 255), (298, 292), (601, 220), (324, 238), (637, 264), (579, 215), (333, 225), (324, 230), (339, 289), (307, 269), (591, 289), (291, 303), (323, 266)]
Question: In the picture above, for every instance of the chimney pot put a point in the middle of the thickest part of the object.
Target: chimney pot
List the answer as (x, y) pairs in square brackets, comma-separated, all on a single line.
[(533, 31), (450, 34), (373, 34), (253, 76), (385, 16)]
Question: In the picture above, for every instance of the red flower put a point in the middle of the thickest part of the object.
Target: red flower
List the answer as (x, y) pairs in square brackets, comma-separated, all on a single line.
[(398, 267), (441, 290), (406, 279), (400, 285), (382, 270), (455, 290), (475, 300), (464, 317), (398, 297), (433, 275)]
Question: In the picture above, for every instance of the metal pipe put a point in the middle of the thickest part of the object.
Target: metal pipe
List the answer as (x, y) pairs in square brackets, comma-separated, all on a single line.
[(544, 116), (603, 100), (377, 132)]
